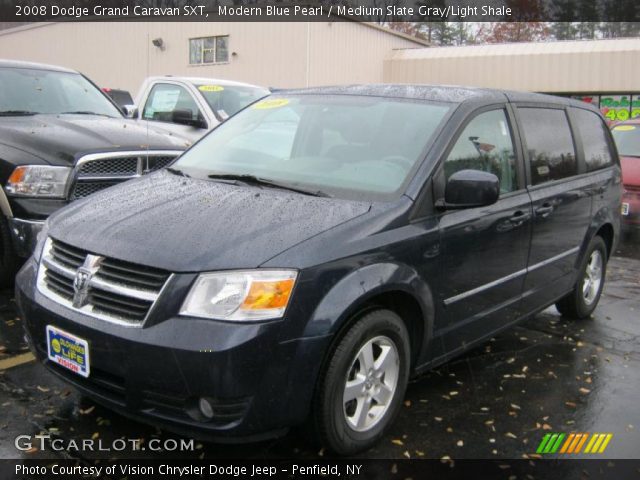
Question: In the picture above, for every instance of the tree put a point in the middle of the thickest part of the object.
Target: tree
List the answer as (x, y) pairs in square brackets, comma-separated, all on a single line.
[(461, 33), (408, 28), (444, 33), (564, 12), (503, 32), (429, 23)]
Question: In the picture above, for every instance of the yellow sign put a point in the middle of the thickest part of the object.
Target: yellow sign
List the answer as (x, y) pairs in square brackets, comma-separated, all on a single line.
[(210, 88), (624, 128), (271, 103)]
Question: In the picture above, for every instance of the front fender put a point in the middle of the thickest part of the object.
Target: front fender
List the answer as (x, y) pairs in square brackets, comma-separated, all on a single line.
[(357, 288)]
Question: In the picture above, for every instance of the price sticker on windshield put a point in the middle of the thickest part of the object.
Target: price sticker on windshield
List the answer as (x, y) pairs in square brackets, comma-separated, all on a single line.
[(271, 103), (210, 88)]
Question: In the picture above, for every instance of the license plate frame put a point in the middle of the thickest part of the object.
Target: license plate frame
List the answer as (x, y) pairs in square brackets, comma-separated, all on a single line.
[(68, 350)]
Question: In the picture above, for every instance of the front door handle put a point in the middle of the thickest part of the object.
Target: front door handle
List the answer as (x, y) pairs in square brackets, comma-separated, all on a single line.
[(519, 217), (545, 210)]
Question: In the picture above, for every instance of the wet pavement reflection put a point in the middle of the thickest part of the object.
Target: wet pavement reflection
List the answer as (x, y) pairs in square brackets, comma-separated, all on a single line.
[(548, 374)]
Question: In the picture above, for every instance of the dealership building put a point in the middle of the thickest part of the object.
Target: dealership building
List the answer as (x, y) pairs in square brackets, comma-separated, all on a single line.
[(298, 54), (605, 73), (271, 54)]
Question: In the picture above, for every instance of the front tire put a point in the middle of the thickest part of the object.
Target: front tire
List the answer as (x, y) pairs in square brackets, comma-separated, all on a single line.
[(362, 387), (582, 301)]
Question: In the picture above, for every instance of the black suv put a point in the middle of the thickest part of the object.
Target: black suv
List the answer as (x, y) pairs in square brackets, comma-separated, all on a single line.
[(61, 139), (316, 250)]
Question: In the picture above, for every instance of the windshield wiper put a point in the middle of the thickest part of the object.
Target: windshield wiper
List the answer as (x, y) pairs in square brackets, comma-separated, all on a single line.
[(10, 113), (177, 171), (252, 179), (86, 112)]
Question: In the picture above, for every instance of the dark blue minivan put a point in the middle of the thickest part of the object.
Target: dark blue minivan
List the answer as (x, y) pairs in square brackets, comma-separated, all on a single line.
[(311, 254)]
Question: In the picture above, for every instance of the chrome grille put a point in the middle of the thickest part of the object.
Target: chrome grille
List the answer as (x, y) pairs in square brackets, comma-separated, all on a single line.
[(109, 166), (117, 291), (98, 171), (84, 189)]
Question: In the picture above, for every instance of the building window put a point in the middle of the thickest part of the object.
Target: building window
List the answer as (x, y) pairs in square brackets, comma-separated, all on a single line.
[(209, 50)]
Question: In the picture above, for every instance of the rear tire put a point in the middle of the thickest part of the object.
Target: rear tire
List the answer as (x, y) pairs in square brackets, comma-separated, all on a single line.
[(8, 260), (583, 299), (363, 385)]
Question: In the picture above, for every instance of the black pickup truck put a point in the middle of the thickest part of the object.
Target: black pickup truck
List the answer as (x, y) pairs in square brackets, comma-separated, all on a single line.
[(62, 139)]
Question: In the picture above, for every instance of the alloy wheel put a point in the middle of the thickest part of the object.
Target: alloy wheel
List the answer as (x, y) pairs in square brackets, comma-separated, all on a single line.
[(371, 383), (592, 277)]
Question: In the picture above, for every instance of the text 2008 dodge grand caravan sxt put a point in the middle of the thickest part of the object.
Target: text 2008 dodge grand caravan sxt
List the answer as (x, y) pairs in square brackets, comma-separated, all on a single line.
[(312, 253)]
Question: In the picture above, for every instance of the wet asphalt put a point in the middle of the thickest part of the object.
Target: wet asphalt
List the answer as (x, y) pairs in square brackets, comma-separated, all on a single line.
[(546, 375)]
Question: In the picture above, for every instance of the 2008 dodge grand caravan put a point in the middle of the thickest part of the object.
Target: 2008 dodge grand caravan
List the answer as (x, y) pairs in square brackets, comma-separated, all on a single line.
[(308, 256)]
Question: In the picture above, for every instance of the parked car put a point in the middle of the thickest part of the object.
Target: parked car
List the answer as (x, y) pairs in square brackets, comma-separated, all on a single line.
[(61, 139), (318, 249), (122, 98), (627, 138), (190, 106)]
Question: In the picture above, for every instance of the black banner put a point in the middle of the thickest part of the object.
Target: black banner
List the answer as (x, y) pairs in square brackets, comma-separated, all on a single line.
[(380, 11), (320, 469)]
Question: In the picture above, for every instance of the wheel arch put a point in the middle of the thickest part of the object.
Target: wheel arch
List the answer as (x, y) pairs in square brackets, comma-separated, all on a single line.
[(606, 224), (395, 287)]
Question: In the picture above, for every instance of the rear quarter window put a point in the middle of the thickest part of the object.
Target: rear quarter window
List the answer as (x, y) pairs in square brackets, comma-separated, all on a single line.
[(549, 144), (595, 142)]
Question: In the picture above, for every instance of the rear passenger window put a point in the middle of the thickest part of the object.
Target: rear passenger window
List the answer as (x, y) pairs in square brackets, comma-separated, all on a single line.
[(550, 144), (485, 144), (594, 139)]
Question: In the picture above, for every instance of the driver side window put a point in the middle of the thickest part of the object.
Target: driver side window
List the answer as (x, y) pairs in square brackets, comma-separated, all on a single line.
[(486, 144), (166, 98)]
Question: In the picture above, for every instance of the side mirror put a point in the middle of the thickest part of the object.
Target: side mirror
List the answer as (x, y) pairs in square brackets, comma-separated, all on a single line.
[(471, 188), (130, 111), (185, 117)]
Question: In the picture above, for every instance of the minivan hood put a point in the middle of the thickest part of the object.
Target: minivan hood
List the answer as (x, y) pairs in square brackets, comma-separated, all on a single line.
[(59, 139), (630, 170), (186, 225)]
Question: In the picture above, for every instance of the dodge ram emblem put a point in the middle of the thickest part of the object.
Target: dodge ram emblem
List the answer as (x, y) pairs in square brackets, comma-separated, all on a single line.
[(81, 287)]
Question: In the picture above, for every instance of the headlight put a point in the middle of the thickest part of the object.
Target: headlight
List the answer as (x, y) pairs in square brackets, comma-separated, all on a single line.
[(38, 181), (240, 295)]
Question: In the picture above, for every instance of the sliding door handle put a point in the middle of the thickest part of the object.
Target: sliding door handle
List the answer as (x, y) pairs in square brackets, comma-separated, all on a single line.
[(545, 210)]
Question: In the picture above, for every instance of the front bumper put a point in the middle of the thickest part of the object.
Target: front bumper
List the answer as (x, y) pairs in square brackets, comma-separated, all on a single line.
[(258, 382), (29, 215), (24, 235)]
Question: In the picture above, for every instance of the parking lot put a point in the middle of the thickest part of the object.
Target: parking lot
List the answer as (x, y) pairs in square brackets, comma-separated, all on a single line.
[(497, 401)]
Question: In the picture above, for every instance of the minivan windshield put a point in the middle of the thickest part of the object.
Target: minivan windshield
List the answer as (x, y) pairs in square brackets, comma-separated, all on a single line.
[(627, 138), (341, 145), (27, 91), (227, 100)]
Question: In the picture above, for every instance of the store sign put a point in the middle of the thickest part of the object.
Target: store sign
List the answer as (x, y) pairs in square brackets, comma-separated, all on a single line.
[(620, 107)]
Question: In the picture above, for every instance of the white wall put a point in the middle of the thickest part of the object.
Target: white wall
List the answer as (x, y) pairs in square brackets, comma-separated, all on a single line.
[(294, 54)]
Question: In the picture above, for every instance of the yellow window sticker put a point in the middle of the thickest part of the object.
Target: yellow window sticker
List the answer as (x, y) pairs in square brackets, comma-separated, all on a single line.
[(210, 88), (271, 103), (624, 128)]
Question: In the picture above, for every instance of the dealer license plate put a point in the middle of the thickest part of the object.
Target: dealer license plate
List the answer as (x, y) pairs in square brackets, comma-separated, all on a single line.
[(67, 350), (625, 209)]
